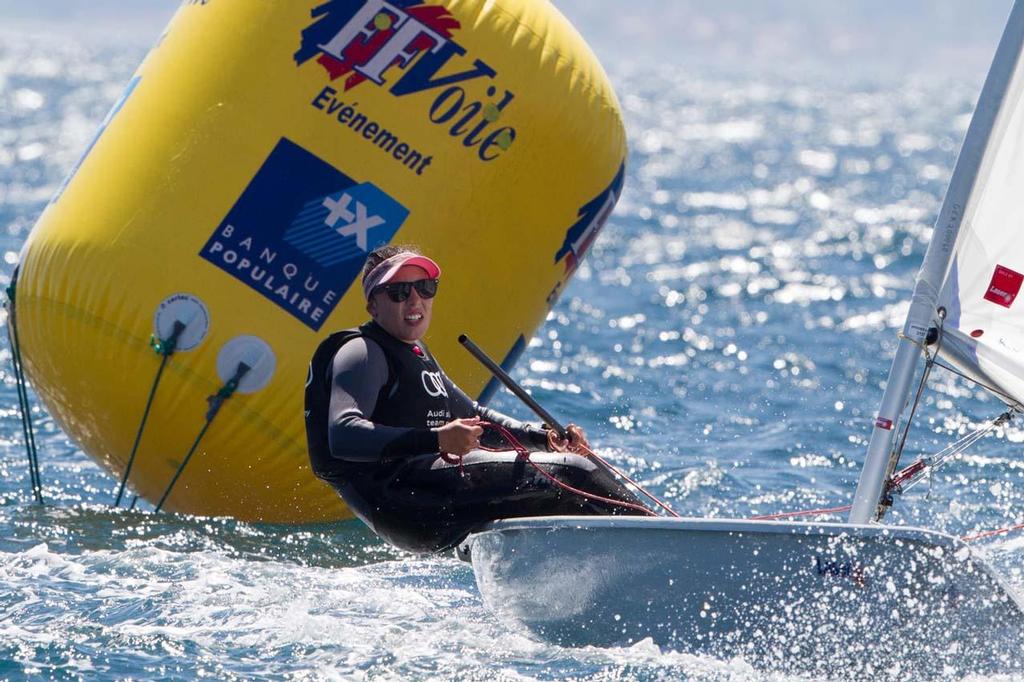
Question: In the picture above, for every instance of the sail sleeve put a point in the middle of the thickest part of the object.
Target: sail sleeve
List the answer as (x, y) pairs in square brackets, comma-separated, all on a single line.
[(984, 325)]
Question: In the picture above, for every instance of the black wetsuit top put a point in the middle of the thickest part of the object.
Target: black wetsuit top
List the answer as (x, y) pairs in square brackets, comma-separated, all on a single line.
[(372, 403)]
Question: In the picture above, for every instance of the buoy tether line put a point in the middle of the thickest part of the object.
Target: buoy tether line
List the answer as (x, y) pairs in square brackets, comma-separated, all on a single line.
[(180, 323), (555, 425), (216, 401), (165, 348), (23, 403)]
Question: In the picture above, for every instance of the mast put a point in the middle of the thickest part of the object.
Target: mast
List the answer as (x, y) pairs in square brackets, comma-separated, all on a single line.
[(970, 166)]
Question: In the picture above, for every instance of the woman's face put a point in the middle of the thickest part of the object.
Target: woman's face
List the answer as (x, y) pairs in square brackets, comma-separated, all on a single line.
[(408, 320)]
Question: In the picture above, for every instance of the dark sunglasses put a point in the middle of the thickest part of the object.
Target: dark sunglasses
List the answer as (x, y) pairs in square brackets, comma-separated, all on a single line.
[(399, 291)]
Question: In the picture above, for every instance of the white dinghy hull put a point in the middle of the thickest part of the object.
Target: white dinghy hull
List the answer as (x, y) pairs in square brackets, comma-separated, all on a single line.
[(801, 597)]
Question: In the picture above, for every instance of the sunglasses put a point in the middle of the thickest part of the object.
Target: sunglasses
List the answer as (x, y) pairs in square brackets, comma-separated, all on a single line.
[(399, 291)]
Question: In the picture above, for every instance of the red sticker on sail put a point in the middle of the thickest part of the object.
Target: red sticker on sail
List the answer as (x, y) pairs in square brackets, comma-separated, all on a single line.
[(1004, 287)]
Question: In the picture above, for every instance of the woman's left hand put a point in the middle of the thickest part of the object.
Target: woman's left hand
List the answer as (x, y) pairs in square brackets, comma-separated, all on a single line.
[(576, 442)]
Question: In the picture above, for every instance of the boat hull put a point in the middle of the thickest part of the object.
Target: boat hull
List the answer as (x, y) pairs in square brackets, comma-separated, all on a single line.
[(790, 596)]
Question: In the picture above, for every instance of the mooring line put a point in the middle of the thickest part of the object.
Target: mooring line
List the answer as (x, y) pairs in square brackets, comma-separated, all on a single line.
[(165, 348), (216, 401), (24, 406)]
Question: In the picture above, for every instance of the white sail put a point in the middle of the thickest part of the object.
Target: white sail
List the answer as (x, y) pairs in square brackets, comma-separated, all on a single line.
[(982, 292), (979, 192)]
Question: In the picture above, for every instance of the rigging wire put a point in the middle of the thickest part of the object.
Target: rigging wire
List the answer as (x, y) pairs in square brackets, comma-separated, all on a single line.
[(928, 365), (925, 467), (922, 468), (897, 452), (1007, 398)]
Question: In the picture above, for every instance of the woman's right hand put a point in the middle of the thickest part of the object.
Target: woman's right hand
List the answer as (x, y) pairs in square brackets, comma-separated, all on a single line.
[(459, 436)]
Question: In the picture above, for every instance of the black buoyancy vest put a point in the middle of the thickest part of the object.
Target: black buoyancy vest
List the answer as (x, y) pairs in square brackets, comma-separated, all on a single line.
[(415, 394)]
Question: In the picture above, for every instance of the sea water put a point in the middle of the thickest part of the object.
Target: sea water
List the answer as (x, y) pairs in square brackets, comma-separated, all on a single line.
[(726, 343)]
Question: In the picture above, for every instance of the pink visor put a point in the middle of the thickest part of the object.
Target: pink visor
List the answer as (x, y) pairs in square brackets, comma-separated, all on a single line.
[(387, 269)]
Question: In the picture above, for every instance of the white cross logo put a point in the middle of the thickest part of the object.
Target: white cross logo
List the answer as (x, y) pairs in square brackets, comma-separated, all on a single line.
[(358, 223)]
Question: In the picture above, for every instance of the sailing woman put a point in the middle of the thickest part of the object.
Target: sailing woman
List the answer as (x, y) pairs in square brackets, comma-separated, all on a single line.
[(410, 453)]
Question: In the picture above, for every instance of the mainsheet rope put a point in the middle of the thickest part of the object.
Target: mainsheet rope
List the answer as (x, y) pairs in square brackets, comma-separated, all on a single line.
[(524, 453)]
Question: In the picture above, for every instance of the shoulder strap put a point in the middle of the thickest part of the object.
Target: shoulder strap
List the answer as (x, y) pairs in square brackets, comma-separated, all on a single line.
[(391, 385), (323, 356), (321, 364)]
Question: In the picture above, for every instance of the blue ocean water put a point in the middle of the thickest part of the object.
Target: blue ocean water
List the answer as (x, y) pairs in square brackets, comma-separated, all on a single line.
[(726, 343)]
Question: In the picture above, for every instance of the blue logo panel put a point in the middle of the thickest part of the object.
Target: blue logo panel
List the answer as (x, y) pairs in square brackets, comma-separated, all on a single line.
[(300, 232)]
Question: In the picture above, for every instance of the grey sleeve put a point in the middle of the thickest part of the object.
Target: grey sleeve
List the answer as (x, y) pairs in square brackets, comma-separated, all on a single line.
[(359, 372)]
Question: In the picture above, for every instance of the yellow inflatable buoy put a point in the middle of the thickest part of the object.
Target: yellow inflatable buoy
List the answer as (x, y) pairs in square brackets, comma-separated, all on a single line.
[(223, 212)]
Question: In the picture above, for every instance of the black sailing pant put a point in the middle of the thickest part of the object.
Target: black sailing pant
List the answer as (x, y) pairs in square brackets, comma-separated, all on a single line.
[(426, 504)]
